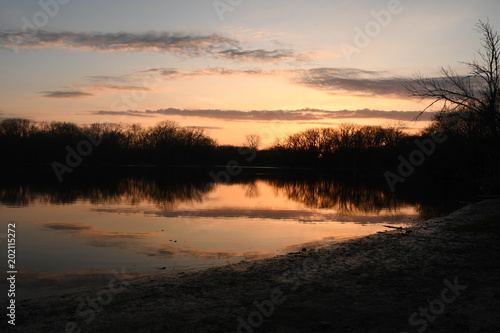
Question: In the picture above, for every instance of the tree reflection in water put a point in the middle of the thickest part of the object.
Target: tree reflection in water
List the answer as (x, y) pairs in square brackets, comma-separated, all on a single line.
[(168, 187), (367, 195), (163, 187)]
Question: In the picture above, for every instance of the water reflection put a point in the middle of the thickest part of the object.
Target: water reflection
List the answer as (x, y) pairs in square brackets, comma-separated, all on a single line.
[(347, 197), (162, 220), (165, 188)]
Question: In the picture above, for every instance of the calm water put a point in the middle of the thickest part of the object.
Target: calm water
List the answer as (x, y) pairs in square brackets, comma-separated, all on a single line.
[(162, 221)]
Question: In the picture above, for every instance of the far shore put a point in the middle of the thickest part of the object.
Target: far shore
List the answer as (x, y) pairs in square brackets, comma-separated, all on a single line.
[(439, 275)]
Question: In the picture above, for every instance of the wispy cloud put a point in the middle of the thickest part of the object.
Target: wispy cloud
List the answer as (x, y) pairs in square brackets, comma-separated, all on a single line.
[(66, 94), (134, 81), (107, 78), (124, 113), (121, 41), (166, 42), (303, 115), (374, 114), (215, 71), (258, 55), (353, 81), (234, 115), (104, 86), (205, 127), (162, 71), (103, 83), (350, 81)]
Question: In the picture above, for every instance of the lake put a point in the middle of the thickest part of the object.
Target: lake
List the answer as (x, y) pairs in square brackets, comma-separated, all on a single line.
[(146, 221)]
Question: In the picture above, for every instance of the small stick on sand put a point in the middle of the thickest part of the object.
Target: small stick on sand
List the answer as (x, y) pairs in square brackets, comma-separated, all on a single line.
[(389, 226)]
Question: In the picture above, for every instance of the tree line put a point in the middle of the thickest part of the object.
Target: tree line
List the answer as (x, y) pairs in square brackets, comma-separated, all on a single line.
[(25, 141), (466, 150)]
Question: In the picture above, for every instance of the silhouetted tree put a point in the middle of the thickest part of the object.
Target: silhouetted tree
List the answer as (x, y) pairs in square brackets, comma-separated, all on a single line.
[(347, 146), (473, 98), (253, 141)]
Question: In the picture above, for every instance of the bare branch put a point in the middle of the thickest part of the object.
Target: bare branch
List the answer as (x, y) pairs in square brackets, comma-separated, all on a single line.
[(477, 92)]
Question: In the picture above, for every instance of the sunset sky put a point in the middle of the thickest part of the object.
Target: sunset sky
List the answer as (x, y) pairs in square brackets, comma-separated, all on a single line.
[(234, 67)]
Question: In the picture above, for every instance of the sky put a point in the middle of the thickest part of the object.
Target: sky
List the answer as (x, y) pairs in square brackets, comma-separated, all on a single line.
[(232, 67)]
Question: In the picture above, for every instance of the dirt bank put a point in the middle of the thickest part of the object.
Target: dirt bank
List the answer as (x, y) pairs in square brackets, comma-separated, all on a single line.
[(442, 275)]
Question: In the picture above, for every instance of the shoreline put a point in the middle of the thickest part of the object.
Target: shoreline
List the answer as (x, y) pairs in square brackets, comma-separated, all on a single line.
[(369, 284)]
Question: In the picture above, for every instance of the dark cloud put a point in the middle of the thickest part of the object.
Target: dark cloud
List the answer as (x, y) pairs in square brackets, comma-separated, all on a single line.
[(227, 71), (123, 82), (258, 55), (119, 87), (162, 71), (224, 114), (354, 81), (166, 42), (121, 41), (124, 113), (66, 94), (376, 114), (135, 81), (106, 78), (223, 71), (303, 115)]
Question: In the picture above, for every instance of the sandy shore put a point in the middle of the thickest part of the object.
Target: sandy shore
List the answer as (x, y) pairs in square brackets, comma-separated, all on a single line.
[(441, 275)]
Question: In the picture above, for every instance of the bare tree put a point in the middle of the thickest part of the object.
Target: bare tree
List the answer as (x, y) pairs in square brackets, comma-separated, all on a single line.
[(253, 141), (476, 93)]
